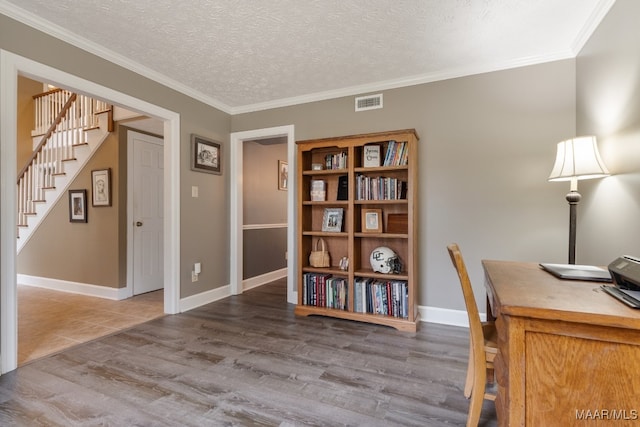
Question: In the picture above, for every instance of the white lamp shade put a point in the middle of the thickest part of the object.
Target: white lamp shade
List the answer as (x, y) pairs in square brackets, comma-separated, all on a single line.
[(578, 158)]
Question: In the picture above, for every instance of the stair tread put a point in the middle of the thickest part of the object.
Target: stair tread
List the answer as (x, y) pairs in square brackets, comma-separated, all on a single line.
[(51, 165)]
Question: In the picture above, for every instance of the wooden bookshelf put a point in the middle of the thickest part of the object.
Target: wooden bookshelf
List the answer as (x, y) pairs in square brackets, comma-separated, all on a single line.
[(384, 190)]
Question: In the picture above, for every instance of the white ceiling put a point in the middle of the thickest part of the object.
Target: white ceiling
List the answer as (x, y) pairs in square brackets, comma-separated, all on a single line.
[(245, 55)]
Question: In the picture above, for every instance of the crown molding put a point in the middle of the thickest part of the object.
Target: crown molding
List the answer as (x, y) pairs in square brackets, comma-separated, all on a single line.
[(53, 30), (591, 25), (73, 39), (403, 82)]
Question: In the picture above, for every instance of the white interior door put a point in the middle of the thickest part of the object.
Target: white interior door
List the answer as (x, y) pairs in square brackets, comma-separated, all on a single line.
[(147, 212)]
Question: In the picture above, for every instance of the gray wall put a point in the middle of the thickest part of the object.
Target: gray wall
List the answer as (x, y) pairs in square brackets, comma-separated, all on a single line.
[(263, 205), (487, 147), (608, 106), (204, 221)]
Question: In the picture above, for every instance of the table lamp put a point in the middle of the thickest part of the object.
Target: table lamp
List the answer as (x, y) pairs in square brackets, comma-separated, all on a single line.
[(577, 158)]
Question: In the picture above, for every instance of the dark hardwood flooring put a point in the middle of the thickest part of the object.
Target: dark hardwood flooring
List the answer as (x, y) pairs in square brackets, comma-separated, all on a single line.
[(248, 361)]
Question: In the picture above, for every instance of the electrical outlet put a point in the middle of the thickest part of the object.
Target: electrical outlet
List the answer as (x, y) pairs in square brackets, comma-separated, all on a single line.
[(194, 276)]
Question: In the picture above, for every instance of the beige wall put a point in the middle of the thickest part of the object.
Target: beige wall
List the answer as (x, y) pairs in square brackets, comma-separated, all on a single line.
[(262, 202), (487, 146), (204, 221), (26, 119), (608, 106), (82, 252)]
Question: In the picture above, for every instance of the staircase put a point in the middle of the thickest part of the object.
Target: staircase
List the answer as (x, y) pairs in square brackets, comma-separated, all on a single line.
[(69, 128)]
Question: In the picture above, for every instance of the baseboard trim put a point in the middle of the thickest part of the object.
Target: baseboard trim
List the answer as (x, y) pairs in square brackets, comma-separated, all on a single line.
[(446, 316), (263, 279), (203, 298), (428, 314), (73, 287)]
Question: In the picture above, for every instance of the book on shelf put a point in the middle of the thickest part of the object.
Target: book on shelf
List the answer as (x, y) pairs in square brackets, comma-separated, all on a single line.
[(388, 298), (371, 156), (324, 290), (343, 188), (318, 190), (380, 188), (336, 161), (397, 154)]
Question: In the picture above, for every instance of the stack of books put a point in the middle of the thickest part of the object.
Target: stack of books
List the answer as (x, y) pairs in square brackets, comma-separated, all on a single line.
[(324, 290), (380, 188), (318, 190), (397, 154), (335, 161), (389, 298)]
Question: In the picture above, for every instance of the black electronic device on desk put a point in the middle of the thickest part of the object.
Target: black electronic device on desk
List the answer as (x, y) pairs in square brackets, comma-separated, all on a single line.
[(625, 272)]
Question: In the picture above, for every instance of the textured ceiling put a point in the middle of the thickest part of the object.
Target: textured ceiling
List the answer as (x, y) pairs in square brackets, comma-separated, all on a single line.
[(243, 55)]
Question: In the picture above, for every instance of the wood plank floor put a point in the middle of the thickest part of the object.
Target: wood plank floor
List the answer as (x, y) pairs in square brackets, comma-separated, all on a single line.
[(51, 321), (248, 361)]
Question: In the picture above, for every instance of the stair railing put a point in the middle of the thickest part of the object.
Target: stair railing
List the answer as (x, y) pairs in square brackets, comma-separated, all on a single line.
[(61, 117)]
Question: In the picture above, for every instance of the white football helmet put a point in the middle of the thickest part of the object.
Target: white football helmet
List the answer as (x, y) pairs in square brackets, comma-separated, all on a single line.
[(384, 260)]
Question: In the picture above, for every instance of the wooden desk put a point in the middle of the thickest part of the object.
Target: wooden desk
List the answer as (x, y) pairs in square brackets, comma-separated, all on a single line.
[(569, 354)]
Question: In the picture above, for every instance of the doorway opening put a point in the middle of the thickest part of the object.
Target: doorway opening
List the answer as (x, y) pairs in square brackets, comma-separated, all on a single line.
[(13, 65), (238, 139)]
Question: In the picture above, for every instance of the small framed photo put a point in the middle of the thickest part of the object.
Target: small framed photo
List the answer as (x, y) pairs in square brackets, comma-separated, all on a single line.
[(206, 155), (77, 205), (372, 220), (332, 220), (101, 187), (283, 175)]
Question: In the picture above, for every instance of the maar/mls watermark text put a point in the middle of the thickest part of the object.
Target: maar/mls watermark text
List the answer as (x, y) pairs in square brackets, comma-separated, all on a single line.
[(607, 414)]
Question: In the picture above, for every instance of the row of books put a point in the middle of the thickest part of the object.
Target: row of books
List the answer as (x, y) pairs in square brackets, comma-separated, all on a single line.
[(335, 161), (324, 290), (380, 188), (397, 154), (390, 298)]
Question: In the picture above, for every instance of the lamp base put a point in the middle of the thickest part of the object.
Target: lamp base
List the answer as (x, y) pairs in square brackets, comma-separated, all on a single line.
[(573, 197)]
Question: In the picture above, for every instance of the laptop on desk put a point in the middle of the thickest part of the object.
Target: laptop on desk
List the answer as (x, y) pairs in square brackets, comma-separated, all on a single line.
[(578, 272)]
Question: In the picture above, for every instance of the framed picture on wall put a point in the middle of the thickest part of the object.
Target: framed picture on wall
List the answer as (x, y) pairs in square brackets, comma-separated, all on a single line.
[(77, 205), (283, 175), (205, 155), (101, 187)]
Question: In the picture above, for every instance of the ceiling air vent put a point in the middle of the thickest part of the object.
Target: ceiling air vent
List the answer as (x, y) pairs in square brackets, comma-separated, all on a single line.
[(369, 102)]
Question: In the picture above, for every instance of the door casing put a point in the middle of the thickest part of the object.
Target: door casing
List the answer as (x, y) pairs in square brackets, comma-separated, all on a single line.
[(12, 65)]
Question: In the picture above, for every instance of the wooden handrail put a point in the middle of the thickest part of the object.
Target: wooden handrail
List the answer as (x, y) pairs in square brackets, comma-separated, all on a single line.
[(49, 92), (46, 136)]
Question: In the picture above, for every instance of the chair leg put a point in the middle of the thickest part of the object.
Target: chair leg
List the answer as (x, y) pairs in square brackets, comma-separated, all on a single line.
[(468, 384), (477, 398)]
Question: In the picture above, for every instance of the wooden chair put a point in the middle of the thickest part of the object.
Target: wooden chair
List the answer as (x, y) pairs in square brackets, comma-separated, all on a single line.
[(482, 344)]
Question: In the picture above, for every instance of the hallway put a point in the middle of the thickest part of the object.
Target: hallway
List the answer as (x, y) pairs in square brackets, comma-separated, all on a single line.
[(51, 321)]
